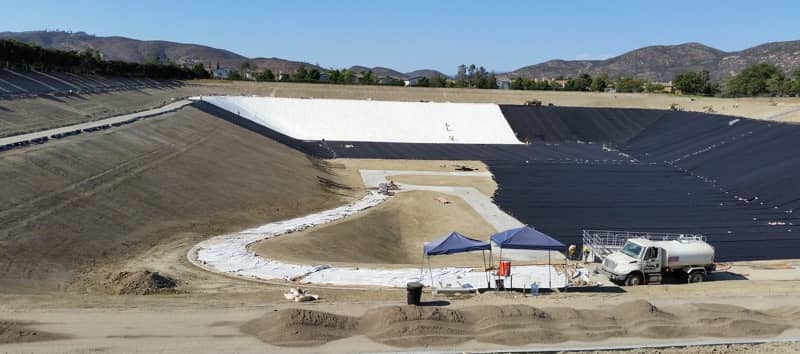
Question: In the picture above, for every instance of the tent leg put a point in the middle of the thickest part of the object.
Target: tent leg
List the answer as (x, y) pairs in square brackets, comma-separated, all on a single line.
[(430, 270), (422, 266), (549, 270), (488, 283)]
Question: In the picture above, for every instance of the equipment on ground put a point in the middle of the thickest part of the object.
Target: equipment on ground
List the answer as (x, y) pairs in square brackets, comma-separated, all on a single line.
[(643, 261)]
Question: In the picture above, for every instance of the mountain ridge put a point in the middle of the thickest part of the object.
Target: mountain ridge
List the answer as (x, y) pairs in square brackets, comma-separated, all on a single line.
[(655, 62)]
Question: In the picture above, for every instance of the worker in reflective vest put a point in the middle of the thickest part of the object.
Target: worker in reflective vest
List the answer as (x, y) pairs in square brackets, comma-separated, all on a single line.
[(572, 250)]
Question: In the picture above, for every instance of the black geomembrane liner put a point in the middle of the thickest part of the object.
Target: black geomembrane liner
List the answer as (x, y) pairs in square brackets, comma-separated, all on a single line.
[(735, 180)]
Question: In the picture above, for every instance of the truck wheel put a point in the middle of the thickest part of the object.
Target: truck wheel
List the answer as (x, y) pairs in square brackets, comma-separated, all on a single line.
[(634, 279), (696, 277)]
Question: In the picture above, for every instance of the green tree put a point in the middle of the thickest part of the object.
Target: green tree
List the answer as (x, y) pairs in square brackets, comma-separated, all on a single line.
[(599, 83), (424, 82), (199, 71), (754, 81), (334, 76), (300, 74), (796, 83), (266, 75), (629, 84), (347, 76), (438, 81), (234, 75), (367, 79), (691, 82), (314, 75), (653, 87), (582, 83), (492, 81)]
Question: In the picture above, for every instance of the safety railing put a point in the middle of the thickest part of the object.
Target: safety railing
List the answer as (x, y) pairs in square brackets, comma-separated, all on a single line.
[(601, 243)]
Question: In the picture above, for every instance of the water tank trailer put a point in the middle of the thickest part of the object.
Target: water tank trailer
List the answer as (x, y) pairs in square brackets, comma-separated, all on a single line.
[(643, 261)]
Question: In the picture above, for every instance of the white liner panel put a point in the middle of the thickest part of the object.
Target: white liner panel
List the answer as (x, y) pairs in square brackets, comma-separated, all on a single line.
[(229, 254), (376, 121)]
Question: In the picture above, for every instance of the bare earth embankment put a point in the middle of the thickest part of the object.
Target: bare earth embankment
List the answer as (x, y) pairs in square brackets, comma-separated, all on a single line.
[(74, 205)]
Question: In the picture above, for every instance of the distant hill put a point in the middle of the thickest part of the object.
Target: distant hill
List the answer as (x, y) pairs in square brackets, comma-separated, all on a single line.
[(381, 71), (657, 63), (662, 62), (133, 50)]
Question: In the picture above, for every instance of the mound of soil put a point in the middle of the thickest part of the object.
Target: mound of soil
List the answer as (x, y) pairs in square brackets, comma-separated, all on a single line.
[(411, 326), (390, 233), (297, 327), (140, 283), (18, 332)]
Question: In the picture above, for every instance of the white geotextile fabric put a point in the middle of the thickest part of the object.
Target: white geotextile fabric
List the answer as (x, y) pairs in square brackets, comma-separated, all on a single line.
[(229, 254), (378, 121)]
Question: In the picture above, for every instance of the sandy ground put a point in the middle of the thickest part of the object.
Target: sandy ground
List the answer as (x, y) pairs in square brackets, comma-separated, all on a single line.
[(348, 169), (211, 321), (485, 185), (389, 235)]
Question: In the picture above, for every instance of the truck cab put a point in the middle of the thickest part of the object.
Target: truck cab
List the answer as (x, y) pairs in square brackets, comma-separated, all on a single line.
[(642, 261)]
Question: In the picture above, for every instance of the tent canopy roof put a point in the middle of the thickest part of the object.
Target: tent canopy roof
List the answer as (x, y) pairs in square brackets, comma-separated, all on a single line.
[(454, 243), (526, 238)]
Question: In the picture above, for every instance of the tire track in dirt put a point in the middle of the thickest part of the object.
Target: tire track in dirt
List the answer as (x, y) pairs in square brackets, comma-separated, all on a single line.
[(116, 175)]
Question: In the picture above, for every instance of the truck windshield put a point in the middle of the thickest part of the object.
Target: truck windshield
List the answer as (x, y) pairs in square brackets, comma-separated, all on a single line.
[(632, 249)]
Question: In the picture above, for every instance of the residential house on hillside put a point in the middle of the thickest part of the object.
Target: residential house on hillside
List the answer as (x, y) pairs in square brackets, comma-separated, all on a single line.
[(504, 84), (667, 86), (413, 81), (560, 83), (221, 73)]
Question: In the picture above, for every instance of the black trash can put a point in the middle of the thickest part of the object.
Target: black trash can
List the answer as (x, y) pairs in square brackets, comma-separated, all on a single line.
[(414, 293)]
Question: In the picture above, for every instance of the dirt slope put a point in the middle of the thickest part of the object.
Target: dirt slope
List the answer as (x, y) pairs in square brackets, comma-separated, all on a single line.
[(391, 233), (70, 205)]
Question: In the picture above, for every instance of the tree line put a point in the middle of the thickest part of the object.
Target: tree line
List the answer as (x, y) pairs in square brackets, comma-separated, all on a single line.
[(467, 77), (761, 79), (757, 80), (19, 55), (587, 83)]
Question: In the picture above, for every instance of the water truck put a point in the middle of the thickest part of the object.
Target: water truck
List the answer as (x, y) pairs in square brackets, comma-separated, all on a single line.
[(643, 261)]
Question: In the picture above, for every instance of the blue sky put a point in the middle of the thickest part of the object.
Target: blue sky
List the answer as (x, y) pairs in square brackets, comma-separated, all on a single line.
[(408, 35)]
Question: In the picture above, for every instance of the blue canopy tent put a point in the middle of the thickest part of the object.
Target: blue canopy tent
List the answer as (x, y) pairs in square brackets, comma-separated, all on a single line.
[(527, 238), (452, 243)]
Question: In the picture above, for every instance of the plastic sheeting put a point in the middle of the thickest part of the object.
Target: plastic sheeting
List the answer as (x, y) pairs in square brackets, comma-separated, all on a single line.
[(378, 121)]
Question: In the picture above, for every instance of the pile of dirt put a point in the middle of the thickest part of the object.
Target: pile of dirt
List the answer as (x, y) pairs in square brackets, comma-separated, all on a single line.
[(390, 233), (18, 332), (411, 326), (140, 283), (297, 327)]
